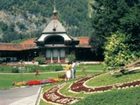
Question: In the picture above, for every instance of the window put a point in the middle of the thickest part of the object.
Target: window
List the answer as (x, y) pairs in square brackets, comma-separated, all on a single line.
[(48, 54), (62, 53)]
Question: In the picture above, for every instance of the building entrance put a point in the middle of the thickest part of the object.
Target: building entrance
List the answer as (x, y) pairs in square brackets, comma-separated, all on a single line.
[(55, 55)]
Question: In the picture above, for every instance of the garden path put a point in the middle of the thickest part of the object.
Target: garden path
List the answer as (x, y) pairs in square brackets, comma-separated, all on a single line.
[(20, 96)]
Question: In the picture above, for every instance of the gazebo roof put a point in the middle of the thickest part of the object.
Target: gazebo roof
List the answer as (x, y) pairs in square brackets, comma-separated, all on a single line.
[(54, 27), (55, 30)]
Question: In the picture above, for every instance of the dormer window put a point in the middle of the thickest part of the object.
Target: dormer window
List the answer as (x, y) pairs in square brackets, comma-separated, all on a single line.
[(54, 29)]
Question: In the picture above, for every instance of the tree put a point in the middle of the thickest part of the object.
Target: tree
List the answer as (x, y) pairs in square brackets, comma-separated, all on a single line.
[(130, 24), (110, 16), (117, 50)]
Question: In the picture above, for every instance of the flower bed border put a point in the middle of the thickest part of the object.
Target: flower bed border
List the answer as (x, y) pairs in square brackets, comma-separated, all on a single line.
[(53, 96), (80, 86)]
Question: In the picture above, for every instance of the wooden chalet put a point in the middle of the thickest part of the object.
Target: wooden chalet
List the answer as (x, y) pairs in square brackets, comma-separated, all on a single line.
[(54, 44)]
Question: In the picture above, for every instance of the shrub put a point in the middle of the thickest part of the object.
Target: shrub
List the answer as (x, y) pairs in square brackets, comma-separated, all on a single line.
[(30, 68), (56, 67), (5, 68), (71, 57), (117, 52), (40, 59), (15, 69)]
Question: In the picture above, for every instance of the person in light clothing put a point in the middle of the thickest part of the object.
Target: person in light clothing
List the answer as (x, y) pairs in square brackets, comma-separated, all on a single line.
[(68, 71), (73, 70)]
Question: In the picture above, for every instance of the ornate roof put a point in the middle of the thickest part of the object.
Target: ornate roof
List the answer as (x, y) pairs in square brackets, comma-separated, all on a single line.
[(55, 28), (54, 25)]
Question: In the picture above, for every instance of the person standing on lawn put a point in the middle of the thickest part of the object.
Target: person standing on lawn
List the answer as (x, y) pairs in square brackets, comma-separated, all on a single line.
[(68, 71), (73, 70)]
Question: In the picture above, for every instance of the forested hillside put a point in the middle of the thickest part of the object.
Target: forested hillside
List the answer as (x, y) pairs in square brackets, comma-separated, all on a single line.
[(20, 19)]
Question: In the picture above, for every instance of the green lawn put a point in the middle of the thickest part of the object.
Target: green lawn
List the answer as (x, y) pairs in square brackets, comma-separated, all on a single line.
[(8, 78), (116, 97), (94, 67), (47, 68), (44, 103), (108, 79), (30, 68)]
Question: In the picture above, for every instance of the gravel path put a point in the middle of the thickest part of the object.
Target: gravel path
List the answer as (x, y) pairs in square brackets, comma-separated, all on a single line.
[(20, 96)]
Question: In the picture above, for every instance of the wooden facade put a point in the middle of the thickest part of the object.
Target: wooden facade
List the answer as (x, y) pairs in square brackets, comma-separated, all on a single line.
[(54, 44)]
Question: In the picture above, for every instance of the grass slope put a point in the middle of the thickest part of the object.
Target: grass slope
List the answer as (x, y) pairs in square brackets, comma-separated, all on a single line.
[(116, 97), (108, 79)]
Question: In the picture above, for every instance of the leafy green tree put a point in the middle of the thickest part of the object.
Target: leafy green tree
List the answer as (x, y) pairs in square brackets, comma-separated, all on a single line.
[(110, 16), (117, 51), (130, 24)]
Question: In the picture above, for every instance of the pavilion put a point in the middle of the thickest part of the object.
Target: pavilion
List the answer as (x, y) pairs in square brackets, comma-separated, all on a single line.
[(54, 44)]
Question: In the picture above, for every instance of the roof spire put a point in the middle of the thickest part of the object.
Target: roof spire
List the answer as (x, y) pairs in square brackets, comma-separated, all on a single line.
[(54, 7), (54, 11)]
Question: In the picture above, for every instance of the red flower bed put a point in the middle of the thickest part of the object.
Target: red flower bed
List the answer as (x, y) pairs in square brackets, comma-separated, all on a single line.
[(33, 82), (78, 86), (104, 88), (39, 82), (51, 81), (52, 95), (129, 84), (44, 81), (48, 81)]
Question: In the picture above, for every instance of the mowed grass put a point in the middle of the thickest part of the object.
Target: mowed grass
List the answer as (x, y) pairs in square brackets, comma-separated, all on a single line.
[(129, 96), (44, 103), (6, 79), (91, 67), (108, 79)]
